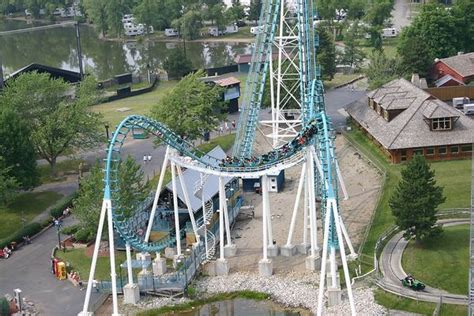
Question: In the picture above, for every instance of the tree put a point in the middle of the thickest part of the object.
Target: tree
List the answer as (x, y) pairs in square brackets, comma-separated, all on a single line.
[(436, 28), (192, 108), (115, 10), (189, 24), (8, 184), (58, 123), (326, 53), (415, 56), (177, 65), (97, 13), (236, 12), (87, 205), (255, 9), (379, 11), (382, 69), (416, 199), (352, 55), (17, 149), (148, 12)]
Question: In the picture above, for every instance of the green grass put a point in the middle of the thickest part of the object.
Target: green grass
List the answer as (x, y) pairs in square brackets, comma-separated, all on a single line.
[(79, 262), (339, 79), (63, 168), (258, 296), (27, 204), (225, 142), (140, 104), (441, 262)]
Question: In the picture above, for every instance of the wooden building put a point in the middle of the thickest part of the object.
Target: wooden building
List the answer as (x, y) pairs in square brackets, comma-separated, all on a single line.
[(454, 70), (403, 120)]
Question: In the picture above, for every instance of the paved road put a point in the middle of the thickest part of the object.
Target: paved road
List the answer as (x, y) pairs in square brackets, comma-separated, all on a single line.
[(401, 14), (392, 270), (29, 270)]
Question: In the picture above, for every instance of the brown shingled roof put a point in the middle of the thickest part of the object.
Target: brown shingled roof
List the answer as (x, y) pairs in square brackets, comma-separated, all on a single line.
[(462, 64)]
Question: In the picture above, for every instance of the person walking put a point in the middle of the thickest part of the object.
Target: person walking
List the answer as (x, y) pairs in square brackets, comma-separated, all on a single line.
[(233, 124), (145, 159)]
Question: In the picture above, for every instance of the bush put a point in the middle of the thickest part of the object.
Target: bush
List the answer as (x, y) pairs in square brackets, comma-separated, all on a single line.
[(84, 235), (58, 208), (28, 230), (71, 230), (4, 307)]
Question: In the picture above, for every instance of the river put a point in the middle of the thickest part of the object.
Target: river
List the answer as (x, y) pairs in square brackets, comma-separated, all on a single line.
[(105, 59)]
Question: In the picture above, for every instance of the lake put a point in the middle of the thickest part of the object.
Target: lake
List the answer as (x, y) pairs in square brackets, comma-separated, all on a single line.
[(105, 59)]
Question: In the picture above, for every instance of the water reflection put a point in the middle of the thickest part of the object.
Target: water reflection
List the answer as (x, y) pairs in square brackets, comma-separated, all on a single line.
[(57, 48), (241, 307)]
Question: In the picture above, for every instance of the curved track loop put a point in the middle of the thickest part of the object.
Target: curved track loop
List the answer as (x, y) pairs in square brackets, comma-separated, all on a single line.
[(193, 158), (393, 272)]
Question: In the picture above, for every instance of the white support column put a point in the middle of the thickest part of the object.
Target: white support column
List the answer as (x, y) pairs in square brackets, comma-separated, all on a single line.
[(322, 278), (221, 228), (129, 263), (188, 202), (272, 102), (312, 206), (353, 254), (343, 258), (95, 255), (297, 202), (269, 219), (204, 216), (265, 216), (113, 274), (341, 181), (157, 195), (305, 215), (223, 207), (176, 209)]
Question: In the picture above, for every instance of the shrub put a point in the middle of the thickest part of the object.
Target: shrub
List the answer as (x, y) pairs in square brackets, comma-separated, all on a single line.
[(4, 307), (83, 235), (28, 230), (71, 230), (59, 206)]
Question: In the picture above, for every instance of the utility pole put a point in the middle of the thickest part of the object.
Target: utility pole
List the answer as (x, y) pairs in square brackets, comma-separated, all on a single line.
[(1, 73), (79, 52)]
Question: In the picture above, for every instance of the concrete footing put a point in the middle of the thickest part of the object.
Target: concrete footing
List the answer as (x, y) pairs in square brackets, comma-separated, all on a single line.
[(144, 256), (329, 281), (159, 266), (272, 251), (288, 250), (303, 248), (352, 257), (313, 263), (222, 267), (210, 268), (265, 267), (145, 277), (170, 252), (85, 314), (334, 296), (230, 250), (131, 294)]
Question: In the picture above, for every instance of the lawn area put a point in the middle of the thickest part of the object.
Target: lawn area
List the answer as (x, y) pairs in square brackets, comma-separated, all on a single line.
[(30, 204), (339, 79), (441, 262), (70, 166), (454, 176), (80, 263), (225, 141), (140, 104)]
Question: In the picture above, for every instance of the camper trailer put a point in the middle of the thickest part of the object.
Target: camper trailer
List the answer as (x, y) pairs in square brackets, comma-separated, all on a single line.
[(214, 31), (171, 32), (389, 32), (468, 109), (132, 29), (458, 103), (256, 30), (231, 29)]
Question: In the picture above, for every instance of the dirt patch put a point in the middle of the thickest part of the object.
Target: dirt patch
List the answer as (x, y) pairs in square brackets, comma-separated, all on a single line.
[(362, 181), (103, 249)]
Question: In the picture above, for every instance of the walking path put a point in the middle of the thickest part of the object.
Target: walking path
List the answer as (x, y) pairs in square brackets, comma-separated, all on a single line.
[(392, 271)]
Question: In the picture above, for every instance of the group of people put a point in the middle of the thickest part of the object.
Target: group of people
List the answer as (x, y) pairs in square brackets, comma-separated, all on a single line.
[(75, 279), (226, 127), (146, 158), (283, 152)]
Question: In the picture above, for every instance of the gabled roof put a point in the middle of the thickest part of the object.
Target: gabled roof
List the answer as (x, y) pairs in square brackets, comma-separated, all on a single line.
[(66, 75), (409, 129), (463, 64), (191, 177), (445, 79), (229, 81)]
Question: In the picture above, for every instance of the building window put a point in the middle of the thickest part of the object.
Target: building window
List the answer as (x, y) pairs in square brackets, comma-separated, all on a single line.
[(418, 151), (441, 124), (442, 150), (466, 148), (403, 155), (454, 149), (430, 151)]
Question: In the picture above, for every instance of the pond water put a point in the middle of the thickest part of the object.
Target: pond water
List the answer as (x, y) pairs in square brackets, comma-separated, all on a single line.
[(242, 307), (105, 59)]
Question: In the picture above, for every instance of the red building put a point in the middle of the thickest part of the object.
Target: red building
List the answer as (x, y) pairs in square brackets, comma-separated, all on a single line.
[(454, 70)]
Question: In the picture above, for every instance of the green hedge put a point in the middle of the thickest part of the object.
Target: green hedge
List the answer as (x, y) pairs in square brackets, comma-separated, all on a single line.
[(4, 307), (58, 208), (71, 230), (28, 230)]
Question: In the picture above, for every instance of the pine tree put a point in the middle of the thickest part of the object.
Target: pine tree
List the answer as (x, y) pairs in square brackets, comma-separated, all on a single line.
[(416, 199)]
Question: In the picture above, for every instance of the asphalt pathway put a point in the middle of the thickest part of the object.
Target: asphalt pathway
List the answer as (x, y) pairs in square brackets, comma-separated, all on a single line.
[(29, 269), (392, 271)]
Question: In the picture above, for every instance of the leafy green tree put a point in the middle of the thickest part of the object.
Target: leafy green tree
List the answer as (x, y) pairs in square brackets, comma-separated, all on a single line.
[(326, 53), (416, 199), (8, 184), (436, 28), (189, 24), (377, 14), (17, 149), (463, 11), (149, 13), (352, 55), (97, 13), (115, 10), (88, 203), (415, 56), (177, 65), (192, 108), (236, 12), (254, 10), (58, 123), (382, 69)]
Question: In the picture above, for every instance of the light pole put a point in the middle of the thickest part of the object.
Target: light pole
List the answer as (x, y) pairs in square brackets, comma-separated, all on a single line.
[(57, 223), (79, 50), (107, 130)]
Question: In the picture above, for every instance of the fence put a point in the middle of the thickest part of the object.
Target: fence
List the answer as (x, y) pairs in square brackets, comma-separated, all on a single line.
[(448, 93)]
